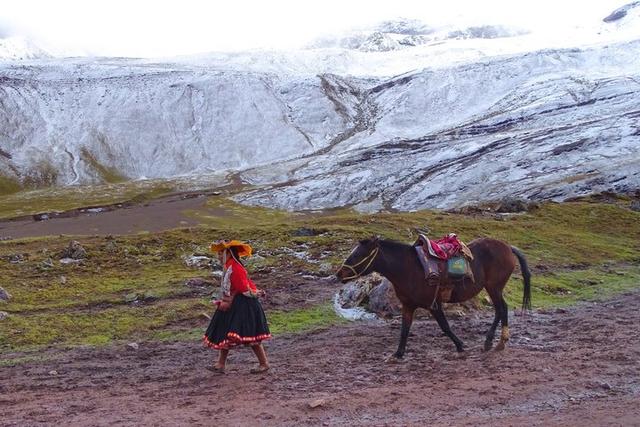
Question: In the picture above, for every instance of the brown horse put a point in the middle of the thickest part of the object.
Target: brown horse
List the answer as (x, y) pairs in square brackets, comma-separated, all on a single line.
[(493, 263)]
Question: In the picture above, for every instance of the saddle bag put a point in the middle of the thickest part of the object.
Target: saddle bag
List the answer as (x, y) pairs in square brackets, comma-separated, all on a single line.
[(456, 266)]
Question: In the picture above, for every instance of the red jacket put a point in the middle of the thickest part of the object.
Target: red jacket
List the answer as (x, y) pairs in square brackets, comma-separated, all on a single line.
[(236, 280)]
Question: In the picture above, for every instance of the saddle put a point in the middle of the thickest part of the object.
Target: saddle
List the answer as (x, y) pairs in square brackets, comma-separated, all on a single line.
[(446, 264)]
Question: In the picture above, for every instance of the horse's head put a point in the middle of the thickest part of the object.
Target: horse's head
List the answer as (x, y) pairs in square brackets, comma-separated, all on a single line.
[(360, 261)]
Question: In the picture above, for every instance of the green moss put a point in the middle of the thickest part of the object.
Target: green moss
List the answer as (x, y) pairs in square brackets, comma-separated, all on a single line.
[(94, 327), (295, 321), (107, 174)]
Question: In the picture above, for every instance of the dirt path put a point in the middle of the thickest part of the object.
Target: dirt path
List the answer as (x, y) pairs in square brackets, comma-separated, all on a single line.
[(160, 214), (574, 367)]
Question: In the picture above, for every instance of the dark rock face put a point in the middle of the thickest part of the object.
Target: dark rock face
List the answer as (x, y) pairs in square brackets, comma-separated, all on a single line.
[(621, 12)]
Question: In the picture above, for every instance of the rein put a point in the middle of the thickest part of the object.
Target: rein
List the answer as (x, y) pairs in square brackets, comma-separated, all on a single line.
[(369, 258)]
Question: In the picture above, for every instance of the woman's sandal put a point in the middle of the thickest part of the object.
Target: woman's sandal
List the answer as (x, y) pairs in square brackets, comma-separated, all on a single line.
[(215, 369)]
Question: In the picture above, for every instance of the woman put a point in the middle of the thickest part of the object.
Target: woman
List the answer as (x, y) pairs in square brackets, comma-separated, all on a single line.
[(239, 318)]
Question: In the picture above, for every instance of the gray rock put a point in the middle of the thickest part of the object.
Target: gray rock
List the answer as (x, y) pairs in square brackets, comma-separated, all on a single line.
[(383, 300), (4, 295), (70, 261), (74, 251), (197, 261), (356, 293), (635, 206), (3, 315), (513, 204)]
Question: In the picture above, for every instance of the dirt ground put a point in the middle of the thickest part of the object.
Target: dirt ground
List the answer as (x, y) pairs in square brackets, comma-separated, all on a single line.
[(156, 215), (579, 366)]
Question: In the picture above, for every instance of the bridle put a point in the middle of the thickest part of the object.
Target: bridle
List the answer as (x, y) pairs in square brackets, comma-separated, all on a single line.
[(370, 258)]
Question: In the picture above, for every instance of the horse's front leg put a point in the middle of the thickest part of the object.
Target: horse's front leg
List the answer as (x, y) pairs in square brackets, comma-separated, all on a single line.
[(407, 320)]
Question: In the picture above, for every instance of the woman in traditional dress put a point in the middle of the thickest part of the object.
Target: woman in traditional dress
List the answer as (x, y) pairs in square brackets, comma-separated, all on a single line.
[(239, 318)]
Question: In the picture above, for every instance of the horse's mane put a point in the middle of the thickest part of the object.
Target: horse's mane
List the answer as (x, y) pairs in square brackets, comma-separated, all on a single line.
[(393, 244)]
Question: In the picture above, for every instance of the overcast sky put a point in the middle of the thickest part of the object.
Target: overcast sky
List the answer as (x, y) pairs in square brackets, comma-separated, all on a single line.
[(149, 28)]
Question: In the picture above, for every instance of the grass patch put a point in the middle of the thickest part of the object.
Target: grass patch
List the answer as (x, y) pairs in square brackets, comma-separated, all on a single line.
[(578, 251), (568, 287), (296, 321)]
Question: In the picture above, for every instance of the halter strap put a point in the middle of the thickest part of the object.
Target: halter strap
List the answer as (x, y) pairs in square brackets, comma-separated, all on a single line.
[(369, 258)]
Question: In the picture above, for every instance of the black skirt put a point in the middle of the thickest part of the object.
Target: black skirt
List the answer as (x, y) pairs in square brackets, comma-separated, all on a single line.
[(243, 323)]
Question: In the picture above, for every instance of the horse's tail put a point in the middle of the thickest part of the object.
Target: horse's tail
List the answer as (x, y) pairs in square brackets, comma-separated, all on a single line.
[(526, 276)]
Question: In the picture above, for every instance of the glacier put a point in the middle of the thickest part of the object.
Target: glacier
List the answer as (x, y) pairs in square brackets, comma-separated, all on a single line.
[(441, 122)]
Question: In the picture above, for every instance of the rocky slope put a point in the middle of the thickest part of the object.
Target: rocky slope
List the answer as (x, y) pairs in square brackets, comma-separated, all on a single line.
[(459, 122)]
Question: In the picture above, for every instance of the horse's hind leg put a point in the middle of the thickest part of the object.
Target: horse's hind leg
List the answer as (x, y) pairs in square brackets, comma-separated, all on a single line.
[(488, 343), (438, 314), (504, 335), (500, 307)]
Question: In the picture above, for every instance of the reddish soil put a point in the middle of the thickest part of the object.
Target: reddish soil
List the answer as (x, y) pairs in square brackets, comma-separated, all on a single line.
[(566, 367)]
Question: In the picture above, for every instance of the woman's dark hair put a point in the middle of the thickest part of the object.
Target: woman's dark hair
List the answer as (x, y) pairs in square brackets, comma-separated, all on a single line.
[(234, 253)]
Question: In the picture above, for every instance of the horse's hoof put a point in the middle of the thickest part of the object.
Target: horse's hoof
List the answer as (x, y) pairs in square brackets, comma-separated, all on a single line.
[(393, 359), (501, 346), (488, 345), (460, 349)]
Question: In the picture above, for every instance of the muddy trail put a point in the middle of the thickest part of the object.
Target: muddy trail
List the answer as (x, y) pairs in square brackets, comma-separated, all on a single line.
[(579, 366)]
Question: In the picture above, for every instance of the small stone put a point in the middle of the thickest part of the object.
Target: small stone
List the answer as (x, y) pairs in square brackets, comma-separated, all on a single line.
[(4, 295), (53, 372), (47, 263), (197, 261), (132, 297), (605, 386), (16, 258), (133, 345), (3, 315), (64, 261), (63, 280), (316, 403)]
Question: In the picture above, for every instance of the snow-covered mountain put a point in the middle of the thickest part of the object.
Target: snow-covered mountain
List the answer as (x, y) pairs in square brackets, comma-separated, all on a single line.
[(376, 124), (19, 48)]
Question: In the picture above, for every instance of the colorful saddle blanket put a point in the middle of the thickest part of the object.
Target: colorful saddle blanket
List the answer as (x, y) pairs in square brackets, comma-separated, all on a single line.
[(445, 248), (446, 262)]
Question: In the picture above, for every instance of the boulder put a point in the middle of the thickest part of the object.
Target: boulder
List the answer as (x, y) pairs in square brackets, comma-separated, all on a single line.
[(383, 300), (356, 292)]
